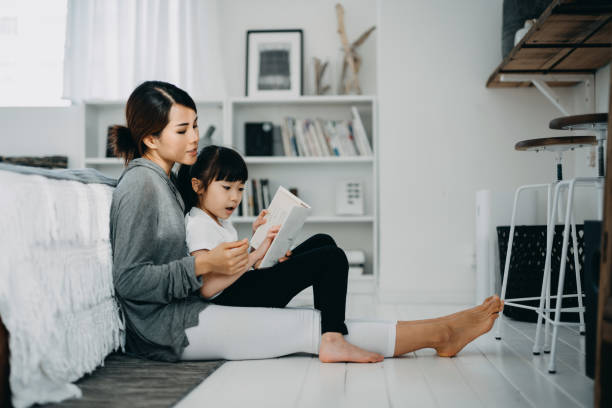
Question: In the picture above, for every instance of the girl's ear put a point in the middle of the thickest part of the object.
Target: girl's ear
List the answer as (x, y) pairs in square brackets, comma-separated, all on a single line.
[(196, 185), (150, 141)]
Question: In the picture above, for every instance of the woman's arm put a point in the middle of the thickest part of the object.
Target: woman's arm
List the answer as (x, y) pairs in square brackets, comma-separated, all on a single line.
[(136, 242), (214, 282), (227, 258)]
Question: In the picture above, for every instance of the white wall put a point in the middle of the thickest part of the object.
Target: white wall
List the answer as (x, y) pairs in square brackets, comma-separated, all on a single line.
[(443, 136), (317, 18), (42, 132)]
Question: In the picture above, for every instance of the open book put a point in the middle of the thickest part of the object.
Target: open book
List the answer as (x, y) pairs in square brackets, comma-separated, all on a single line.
[(289, 212)]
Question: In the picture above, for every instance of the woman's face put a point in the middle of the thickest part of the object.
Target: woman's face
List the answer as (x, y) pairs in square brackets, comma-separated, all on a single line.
[(178, 141)]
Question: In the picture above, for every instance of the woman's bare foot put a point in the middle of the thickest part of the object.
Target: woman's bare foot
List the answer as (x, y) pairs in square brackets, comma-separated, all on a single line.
[(482, 306), (465, 326), (334, 349)]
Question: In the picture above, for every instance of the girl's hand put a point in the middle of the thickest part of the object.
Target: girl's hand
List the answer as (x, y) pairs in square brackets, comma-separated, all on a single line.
[(272, 233), (265, 245), (284, 258), (260, 220)]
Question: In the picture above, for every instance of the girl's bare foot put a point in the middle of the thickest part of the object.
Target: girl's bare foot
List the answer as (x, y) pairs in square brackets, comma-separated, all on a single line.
[(463, 327), (334, 349)]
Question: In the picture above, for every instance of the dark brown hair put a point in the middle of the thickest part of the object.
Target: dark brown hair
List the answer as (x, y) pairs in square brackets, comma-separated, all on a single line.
[(213, 163), (146, 113)]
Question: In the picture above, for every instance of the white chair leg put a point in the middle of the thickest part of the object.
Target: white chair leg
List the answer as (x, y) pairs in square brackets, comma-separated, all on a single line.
[(577, 271), (545, 279), (546, 348), (508, 255), (558, 303)]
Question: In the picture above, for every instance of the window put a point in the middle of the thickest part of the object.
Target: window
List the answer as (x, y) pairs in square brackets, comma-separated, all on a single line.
[(32, 34)]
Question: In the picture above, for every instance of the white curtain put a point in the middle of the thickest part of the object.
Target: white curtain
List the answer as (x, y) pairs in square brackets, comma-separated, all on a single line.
[(114, 45)]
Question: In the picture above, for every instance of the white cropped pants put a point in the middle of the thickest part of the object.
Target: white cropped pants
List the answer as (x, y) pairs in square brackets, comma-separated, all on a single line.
[(245, 333)]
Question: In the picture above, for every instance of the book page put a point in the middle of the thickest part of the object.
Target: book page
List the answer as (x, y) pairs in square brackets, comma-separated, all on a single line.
[(286, 236)]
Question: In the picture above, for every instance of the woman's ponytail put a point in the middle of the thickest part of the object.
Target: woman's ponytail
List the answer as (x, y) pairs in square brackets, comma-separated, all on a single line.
[(183, 182), (122, 143)]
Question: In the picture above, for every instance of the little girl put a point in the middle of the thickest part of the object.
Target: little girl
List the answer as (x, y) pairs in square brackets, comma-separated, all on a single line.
[(218, 192), (212, 190)]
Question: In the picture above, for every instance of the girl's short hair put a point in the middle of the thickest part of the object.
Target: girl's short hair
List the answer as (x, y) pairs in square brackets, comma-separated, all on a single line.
[(147, 113), (213, 163)]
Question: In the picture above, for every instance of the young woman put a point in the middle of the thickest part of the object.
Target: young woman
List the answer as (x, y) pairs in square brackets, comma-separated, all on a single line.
[(159, 285)]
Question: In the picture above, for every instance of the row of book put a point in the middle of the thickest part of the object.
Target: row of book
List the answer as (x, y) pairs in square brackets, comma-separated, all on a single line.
[(320, 138), (256, 196)]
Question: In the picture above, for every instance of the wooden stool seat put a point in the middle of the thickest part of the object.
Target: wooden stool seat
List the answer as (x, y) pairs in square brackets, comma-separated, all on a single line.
[(592, 121), (556, 144)]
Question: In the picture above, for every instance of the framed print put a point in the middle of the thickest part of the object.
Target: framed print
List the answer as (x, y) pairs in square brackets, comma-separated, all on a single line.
[(274, 63)]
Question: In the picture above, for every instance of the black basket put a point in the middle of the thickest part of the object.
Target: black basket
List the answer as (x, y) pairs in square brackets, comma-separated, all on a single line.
[(527, 268)]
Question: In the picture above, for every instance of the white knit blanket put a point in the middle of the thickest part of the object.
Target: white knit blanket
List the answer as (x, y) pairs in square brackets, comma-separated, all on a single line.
[(56, 287)]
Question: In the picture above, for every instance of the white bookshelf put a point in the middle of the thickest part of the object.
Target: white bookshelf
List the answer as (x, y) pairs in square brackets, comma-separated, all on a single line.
[(315, 177)]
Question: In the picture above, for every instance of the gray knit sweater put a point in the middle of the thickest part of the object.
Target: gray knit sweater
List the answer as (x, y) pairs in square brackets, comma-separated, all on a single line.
[(154, 277)]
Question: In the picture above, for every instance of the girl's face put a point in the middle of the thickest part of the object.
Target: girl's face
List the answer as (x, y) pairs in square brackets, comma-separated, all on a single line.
[(221, 197), (178, 141)]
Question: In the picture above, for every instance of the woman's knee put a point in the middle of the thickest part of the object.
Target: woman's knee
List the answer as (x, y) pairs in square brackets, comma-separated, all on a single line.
[(336, 259), (324, 240)]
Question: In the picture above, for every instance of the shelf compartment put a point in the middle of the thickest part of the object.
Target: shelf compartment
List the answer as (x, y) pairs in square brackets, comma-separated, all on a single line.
[(306, 159), (310, 99)]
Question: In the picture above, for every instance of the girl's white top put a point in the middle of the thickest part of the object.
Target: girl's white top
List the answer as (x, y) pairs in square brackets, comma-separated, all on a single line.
[(203, 232)]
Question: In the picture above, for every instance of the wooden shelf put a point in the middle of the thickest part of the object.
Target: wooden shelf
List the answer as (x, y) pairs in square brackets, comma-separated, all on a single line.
[(570, 37)]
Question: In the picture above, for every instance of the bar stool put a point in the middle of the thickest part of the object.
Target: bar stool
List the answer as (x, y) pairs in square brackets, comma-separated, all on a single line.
[(558, 145), (599, 124)]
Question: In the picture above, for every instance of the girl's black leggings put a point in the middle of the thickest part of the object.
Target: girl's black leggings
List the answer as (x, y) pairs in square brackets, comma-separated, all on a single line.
[(316, 262)]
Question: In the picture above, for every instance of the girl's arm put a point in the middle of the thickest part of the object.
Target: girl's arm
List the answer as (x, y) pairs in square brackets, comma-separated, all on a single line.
[(257, 255), (260, 220)]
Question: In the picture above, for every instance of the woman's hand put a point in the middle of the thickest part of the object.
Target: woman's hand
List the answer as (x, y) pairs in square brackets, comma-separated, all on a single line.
[(284, 258), (227, 258), (260, 220)]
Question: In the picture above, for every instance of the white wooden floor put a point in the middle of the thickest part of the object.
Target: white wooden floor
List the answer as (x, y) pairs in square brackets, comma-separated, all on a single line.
[(487, 373)]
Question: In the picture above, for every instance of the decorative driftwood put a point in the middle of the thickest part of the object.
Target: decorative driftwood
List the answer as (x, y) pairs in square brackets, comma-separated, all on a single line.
[(351, 59), (47, 161), (320, 89)]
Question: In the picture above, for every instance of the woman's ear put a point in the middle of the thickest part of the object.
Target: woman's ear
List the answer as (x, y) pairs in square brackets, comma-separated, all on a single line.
[(196, 185), (150, 141)]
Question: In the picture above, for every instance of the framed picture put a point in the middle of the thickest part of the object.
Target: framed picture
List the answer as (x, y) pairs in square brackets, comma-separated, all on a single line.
[(274, 63)]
